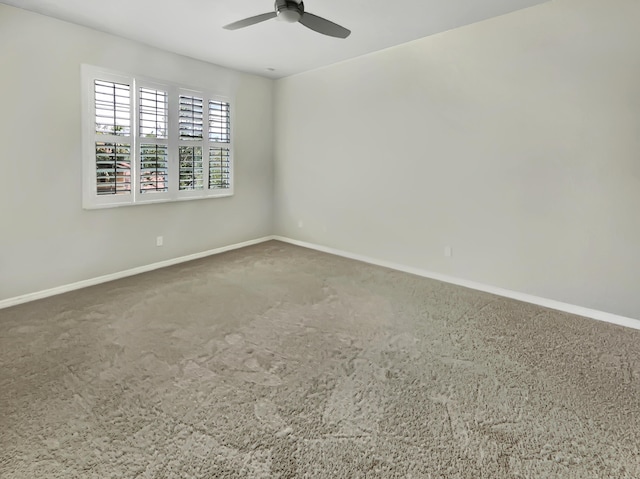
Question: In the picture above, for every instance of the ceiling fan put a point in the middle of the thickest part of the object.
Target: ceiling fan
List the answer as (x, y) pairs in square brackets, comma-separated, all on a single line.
[(292, 11)]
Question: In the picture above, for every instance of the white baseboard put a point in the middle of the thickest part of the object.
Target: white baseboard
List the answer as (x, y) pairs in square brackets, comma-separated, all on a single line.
[(5, 303), (527, 298)]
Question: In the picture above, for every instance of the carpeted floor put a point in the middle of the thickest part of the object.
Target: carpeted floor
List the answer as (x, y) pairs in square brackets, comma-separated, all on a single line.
[(280, 362)]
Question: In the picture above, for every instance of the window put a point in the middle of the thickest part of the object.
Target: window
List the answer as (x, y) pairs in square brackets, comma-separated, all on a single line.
[(147, 141)]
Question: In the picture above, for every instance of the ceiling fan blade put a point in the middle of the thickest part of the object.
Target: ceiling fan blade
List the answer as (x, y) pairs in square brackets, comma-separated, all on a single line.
[(321, 25), (250, 21)]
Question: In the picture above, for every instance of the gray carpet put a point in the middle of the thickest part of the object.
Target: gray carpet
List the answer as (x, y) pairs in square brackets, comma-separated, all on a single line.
[(279, 362)]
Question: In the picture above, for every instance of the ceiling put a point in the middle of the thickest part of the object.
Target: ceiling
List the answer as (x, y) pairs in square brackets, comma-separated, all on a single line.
[(274, 48)]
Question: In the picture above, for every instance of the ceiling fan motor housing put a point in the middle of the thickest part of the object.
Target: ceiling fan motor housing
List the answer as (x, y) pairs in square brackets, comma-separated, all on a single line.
[(289, 10)]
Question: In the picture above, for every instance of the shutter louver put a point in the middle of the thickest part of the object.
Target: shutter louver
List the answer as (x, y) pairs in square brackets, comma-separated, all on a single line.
[(190, 117), (219, 168)]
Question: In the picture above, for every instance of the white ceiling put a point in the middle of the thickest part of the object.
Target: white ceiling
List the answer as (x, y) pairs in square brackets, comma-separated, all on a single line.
[(194, 27)]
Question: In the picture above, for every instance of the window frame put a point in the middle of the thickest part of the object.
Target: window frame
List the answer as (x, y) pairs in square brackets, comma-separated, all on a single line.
[(91, 198)]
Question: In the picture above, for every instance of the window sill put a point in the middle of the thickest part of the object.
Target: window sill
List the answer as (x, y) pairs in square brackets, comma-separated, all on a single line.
[(155, 201)]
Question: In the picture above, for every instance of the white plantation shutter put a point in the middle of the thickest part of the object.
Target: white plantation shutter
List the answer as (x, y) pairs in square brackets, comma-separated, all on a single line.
[(108, 142), (153, 140), (113, 168), (112, 108), (146, 141), (154, 113), (219, 122), (191, 168), (190, 117), (219, 156), (219, 168), (154, 168)]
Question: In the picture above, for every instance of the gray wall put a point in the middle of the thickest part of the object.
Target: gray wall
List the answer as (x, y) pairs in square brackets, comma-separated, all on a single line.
[(46, 238), (516, 141)]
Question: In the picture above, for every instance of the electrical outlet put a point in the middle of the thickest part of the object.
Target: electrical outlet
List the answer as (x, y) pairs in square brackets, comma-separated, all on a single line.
[(300, 224), (159, 241), (448, 251)]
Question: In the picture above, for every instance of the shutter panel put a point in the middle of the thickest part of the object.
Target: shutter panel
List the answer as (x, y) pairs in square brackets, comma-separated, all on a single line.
[(219, 168), (190, 117), (153, 140), (154, 168), (219, 157), (113, 108), (113, 168), (153, 113), (219, 122), (191, 168)]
